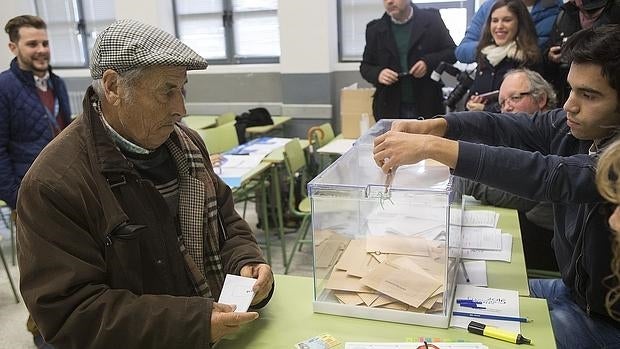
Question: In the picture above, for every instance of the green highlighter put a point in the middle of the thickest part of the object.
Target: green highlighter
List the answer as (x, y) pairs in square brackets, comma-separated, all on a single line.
[(497, 333)]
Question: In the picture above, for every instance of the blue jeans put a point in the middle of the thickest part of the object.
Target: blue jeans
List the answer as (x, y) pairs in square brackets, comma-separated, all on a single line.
[(572, 327)]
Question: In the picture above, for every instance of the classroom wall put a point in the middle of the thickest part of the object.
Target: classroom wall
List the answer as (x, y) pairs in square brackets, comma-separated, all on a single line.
[(304, 85)]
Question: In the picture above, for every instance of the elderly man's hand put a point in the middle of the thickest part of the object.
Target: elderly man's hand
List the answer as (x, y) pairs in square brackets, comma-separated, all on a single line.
[(225, 321), (264, 280), (476, 103), (419, 69)]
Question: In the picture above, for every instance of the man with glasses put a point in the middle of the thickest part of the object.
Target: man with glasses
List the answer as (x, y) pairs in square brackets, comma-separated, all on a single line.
[(523, 91), (549, 157)]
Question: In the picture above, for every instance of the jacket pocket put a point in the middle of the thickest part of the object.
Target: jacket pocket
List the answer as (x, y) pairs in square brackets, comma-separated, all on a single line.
[(123, 257)]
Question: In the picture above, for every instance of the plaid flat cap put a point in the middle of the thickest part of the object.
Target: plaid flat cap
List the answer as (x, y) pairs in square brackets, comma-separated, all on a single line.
[(128, 44)]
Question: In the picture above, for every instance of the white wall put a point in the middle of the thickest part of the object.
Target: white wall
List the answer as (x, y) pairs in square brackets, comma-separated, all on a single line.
[(308, 34), (10, 9)]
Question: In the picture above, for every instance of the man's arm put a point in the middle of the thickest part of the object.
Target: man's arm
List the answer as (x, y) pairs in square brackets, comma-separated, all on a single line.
[(9, 183), (63, 283), (466, 51)]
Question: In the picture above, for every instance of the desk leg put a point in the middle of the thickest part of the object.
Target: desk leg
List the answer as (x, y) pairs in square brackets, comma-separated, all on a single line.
[(265, 218), (275, 180)]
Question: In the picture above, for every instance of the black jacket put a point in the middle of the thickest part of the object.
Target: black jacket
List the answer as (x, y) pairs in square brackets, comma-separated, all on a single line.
[(538, 159), (430, 41)]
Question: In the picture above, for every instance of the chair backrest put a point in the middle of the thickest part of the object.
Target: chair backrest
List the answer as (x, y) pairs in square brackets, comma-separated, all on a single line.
[(225, 118), (295, 161), (320, 135), (220, 139)]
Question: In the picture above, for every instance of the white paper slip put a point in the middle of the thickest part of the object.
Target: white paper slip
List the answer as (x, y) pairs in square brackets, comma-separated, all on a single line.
[(237, 290), (475, 218), (411, 345), (483, 238), (492, 301), (505, 254), (476, 271)]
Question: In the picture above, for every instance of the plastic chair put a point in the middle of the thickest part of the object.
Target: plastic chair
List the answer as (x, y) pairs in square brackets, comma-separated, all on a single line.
[(319, 136), (295, 161), (225, 119), (220, 139), (7, 219)]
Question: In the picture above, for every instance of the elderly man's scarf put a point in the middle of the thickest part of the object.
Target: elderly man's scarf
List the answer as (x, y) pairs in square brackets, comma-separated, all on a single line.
[(199, 239)]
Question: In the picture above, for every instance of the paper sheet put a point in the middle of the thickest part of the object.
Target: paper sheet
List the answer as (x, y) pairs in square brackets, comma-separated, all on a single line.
[(497, 302), (477, 272), (237, 290), (483, 238), (410, 345), (337, 146), (505, 254)]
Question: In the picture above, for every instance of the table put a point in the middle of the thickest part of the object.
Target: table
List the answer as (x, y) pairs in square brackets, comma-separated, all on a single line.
[(511, 275), (278, 122), (289, 319), (197, 122)]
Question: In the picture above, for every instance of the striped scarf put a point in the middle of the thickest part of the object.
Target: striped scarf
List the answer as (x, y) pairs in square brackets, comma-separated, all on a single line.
[(199, 238)]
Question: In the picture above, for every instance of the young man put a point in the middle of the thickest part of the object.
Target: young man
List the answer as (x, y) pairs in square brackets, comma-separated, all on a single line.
[(34, 104), (402, 49), (550, 157), (126, 243)]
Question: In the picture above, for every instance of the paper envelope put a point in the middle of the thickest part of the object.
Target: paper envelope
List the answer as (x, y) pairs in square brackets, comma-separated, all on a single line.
[(405, 285), (397, 244), (339, 280)]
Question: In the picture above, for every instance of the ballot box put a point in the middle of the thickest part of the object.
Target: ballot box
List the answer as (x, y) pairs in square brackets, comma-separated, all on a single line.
[(385, 248)]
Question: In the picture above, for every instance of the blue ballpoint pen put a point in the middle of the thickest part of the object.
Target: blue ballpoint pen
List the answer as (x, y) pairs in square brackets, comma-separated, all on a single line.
[(491, 317)]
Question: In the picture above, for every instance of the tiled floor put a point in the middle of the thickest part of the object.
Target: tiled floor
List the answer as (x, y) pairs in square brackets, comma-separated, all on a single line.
[(13, 316)]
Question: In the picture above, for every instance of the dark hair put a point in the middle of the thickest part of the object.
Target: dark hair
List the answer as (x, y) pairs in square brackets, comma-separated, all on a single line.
[(600, 46), (14, 24), (526, 38)]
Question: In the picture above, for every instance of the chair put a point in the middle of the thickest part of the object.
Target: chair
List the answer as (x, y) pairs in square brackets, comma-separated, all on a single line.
[(319, 136), (295, 161), (7, 219), (220, 139), (225, 119)]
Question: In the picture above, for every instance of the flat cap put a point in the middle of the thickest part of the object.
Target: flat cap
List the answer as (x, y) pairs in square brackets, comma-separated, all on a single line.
[(128, 44)]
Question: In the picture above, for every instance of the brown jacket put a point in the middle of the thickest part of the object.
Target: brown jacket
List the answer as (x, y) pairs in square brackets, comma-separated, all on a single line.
[(102, 272)]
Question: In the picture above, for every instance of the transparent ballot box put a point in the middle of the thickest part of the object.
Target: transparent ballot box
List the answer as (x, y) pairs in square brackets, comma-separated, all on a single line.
[(385, 252)]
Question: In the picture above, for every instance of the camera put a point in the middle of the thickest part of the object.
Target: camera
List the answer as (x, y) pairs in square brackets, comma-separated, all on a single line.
[(460, 90)]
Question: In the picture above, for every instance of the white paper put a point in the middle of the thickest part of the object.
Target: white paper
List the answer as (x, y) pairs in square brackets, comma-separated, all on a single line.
[(477, 272), (483, 238), (262, 145), (237, 290), (337, 146), (475, 218), (411, 345), (505, 254), (497, 302)]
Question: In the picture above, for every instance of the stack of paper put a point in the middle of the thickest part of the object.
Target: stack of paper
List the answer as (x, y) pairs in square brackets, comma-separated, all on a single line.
[(481, 239), (410, 345)]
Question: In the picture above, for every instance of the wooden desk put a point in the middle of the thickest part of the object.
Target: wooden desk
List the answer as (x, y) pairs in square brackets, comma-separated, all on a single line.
[(289, 319), (278, 122), (197, 122)]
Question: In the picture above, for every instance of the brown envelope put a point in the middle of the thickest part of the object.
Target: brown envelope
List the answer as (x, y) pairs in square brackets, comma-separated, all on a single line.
[(349, 298), (327, 253), (363, 267), (339, 280), (397, 244), (407, 286), (368, 298)]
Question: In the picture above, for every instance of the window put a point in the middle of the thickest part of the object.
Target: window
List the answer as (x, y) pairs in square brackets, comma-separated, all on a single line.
[(72, 27), (353, 15), (230, 31)]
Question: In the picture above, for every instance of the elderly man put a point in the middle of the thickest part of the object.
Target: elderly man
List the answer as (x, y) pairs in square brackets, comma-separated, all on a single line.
[(523, 91), (549, 157), (125, 232)]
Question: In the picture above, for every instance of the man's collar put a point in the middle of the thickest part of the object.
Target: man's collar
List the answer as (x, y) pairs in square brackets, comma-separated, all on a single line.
[(394, 20), (123, 143), (42, 83)]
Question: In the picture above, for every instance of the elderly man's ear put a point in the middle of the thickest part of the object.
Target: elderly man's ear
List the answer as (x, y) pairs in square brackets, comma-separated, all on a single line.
[(111, 87)]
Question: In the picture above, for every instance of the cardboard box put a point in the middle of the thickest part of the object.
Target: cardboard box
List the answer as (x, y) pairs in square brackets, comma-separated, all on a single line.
[(353, 103)]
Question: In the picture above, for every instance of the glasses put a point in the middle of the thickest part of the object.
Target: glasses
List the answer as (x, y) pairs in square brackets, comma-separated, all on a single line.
[(516, 98)]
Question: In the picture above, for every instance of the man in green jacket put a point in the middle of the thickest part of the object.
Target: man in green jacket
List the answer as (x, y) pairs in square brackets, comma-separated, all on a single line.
[(125, 232)]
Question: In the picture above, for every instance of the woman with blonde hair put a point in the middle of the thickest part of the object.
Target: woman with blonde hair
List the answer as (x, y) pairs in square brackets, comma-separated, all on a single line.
[(608, 184)]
